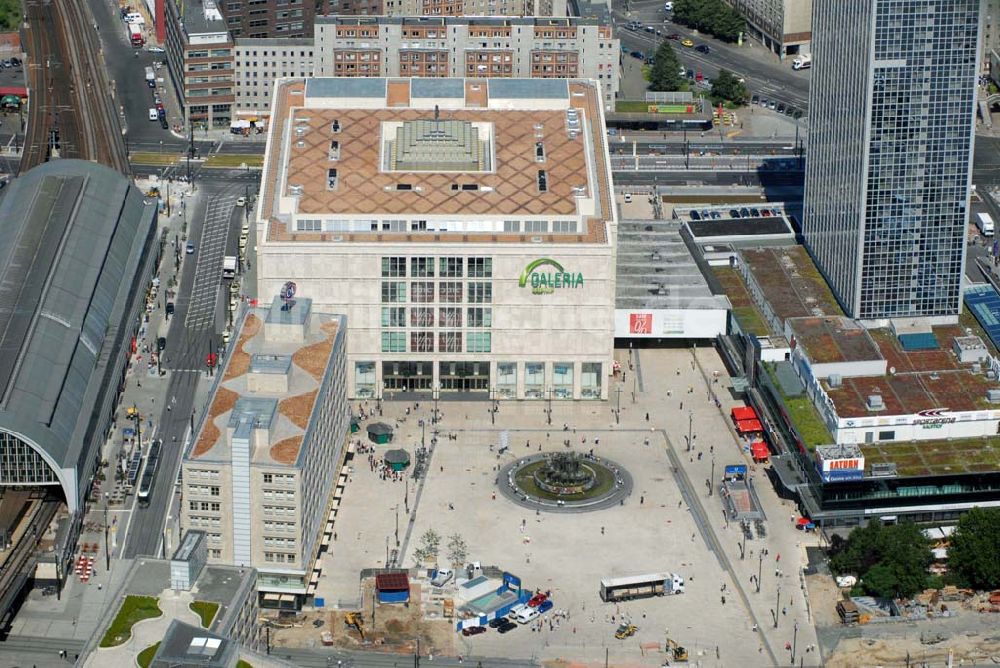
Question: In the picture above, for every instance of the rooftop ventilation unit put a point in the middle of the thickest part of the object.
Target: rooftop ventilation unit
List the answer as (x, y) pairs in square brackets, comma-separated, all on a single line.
[(662, 289), (875, 402), (993, 396), (295, 190), (836, 380)]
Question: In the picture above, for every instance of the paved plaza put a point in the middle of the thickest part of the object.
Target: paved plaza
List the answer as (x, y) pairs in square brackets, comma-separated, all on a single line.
[(667, 523)]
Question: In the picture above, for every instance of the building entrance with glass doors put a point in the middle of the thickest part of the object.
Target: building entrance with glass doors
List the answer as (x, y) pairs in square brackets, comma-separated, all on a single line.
[(465, 377)]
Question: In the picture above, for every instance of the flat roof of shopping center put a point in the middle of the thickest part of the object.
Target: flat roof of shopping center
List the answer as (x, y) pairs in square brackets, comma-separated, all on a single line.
[(657, 271), (790, 282), (469, 151)]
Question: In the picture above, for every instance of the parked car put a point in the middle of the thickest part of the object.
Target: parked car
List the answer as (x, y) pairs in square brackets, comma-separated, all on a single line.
[(733, 213), (506, 626), (745, 212), (781, 108), (638, 54), (473, 631), (772, 104), (545, 606), (156, 49), (715, 215), (703, 48), (695, 215), (170, 308), (674, 36), (497, 623), (190, 248), (690, 74), (687, 42), (755, 99), (443, 575), (765, 213), (163, 123), (755, 213), (161, 343), (537, 600), (628, 198), (763, 102)]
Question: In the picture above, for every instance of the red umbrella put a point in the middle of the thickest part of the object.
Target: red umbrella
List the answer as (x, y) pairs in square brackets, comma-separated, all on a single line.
[(803, 521)]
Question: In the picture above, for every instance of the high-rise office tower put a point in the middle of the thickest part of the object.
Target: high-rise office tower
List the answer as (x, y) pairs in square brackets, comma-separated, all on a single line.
[(891, 121)]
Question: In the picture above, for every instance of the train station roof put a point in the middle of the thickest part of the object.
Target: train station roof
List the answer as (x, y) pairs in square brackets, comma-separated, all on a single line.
[(74, 239)]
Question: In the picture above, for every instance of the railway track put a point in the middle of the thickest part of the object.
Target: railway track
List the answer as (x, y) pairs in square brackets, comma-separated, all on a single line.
[(71, 109), (18, 568)]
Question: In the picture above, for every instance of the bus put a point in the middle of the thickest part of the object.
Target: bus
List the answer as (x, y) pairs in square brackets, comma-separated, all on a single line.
[(149, 473)]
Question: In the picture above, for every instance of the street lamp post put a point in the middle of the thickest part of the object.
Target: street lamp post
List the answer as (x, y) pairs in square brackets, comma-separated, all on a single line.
[(690, 429), (712, 478), (548, 391), (777, 606), (618, 403), (437, 393), (493, 405), (422, 426), (760, 568), (795, 637)]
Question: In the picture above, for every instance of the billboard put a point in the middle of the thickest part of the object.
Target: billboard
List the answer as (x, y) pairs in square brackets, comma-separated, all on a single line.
[(670, 323)]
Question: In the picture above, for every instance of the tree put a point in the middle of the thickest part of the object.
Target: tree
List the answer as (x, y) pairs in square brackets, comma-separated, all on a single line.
[(891, 560), (728, 87), (714, 17), (974, 555), (457, 549), (430, 545), (665, 73)]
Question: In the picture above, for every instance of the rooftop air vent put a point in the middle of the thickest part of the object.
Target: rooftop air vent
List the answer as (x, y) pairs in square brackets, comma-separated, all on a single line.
[(655, 257), (875, 402), (295, 190), (335, 126), (993, 396), (662, 289), (836, 380)]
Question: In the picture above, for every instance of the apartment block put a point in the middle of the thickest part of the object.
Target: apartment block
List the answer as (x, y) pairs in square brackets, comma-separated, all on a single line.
[(784, 26), (257, 474), (449, 7), (261, 62), (200, 61), (387, 46), (260, 19)]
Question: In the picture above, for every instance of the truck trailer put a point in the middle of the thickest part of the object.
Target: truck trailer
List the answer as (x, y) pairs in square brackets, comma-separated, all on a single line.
[(641, 586), (135, 34)]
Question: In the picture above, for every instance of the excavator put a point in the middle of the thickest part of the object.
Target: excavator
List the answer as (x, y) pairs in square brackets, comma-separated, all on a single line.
[(678, 652), (356, 621)]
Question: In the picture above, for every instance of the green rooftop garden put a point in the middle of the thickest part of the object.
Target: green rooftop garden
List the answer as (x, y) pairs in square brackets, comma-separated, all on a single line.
[(206, 610), (146, 656), (804, 416), (134, 610)]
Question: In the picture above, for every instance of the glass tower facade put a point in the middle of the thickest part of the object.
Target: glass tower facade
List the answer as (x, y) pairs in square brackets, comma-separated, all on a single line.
[(891, 123)]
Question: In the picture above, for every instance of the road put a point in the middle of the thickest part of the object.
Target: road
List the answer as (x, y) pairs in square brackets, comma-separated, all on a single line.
[(764, 75), (638, 145), (663, 178), (192, 336)]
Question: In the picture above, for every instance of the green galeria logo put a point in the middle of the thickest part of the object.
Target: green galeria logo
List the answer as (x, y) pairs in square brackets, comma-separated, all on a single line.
[(543, 283)]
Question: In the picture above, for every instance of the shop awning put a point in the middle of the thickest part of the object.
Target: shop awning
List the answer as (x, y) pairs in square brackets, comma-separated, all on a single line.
[(759, 450), (741, 413), (350, 448), (749, 426), (343, 479), (334, 506), (272, 597), (345, 469), (326, 540), (311, 589)]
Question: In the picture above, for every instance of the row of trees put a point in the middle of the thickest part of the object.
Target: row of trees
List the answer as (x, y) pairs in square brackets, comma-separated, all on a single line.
[(430, 547), (892, 560), (714, 17), (666, 75)]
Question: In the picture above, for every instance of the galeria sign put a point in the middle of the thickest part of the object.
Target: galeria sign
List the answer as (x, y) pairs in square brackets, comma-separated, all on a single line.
[(545, 282)]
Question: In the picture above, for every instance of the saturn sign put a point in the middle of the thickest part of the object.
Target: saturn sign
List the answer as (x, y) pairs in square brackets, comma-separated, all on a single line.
[(543, 283), (934, 416)]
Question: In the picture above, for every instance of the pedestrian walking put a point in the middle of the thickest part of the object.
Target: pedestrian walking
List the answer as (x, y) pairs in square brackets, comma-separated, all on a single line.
[(647, 417)]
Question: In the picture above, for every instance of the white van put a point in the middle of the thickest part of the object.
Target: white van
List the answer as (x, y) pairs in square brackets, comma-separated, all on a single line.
[(525, 615), (153, 115), (134, 17), (668, 6)]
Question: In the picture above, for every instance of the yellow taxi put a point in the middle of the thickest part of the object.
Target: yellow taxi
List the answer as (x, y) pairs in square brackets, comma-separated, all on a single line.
[(687, 42)]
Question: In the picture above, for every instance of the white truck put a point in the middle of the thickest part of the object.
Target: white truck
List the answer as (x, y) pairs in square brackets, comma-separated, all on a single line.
[(984, 222), (802, 62), (150, 78), (229, 266), (641, 586)]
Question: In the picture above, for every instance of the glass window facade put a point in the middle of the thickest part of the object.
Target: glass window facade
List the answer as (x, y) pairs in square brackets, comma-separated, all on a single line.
[(364, 379), (891, 119), (562, 380), (534, 380), (590, 380), (506, 380), (20, 464)]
